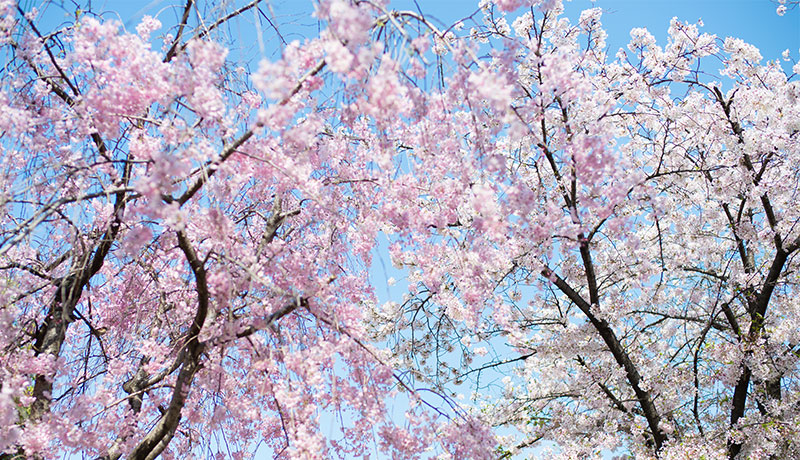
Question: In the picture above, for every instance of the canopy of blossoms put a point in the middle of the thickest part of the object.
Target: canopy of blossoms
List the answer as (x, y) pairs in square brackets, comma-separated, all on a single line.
[(599, 246)]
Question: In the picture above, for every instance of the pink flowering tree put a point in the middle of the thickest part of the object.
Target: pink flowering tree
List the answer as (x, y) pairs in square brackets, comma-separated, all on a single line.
[(599, 249), (184, 243)]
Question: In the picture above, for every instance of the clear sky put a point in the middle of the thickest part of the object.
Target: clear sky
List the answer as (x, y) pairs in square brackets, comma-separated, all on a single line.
[(754, 21)]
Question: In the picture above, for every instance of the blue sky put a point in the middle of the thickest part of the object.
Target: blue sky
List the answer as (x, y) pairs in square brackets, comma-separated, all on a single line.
[(754, 21)]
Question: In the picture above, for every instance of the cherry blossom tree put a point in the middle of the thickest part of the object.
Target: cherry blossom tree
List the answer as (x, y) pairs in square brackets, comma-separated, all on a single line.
[(600, 246), (184, 242)]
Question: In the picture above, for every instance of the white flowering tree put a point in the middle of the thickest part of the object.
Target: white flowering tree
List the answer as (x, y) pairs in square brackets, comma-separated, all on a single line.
[(625, 222)]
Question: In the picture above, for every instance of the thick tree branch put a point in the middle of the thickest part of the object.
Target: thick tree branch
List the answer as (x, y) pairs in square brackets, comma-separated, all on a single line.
[(620, 355), (161, 434)]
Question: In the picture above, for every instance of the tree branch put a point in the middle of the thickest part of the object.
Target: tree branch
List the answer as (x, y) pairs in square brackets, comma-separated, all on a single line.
[(620, 355)]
